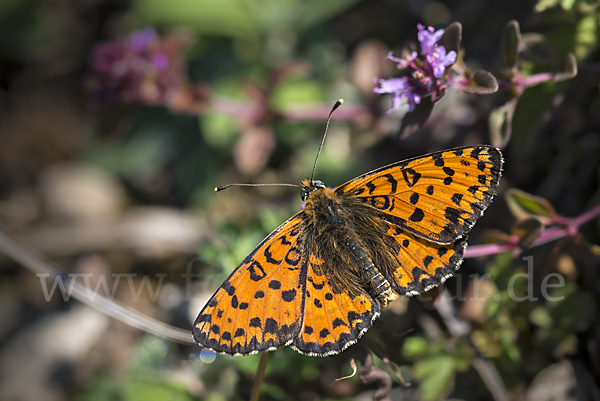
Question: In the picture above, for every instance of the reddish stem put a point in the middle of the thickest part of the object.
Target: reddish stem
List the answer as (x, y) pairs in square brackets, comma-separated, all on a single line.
[(568, 227)]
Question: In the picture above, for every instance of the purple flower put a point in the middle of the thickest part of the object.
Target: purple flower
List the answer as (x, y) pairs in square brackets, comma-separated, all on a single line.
[(400, 88), (439, 60), (140, 40), (428, 37), (423, 72), (134, 70)]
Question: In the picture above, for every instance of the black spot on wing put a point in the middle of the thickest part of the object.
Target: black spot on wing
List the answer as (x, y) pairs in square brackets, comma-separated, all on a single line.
[(256, 271), (411, 176), (427, 260), (288, 296), (392, 181), (371, 187), (452, 214), (230, 290), (414, 198), (417, 215), (448, 171), (271, 326), (456, 198)]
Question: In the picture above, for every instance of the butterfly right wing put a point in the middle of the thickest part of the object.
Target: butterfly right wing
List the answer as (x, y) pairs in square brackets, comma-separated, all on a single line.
[(259, 307), (438, 196)]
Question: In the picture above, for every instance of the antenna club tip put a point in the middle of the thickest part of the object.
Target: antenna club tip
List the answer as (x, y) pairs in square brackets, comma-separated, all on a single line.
[(216, 189), (341, 101)]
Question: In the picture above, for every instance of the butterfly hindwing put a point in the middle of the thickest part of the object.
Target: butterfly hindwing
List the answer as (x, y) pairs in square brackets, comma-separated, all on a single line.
[(260, 305), (418, 264), (437, 197), (334, 316)]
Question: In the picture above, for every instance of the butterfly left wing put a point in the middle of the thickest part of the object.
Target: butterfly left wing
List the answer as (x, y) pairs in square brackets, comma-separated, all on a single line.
[(437, 197), (336, 314), (259, 307)]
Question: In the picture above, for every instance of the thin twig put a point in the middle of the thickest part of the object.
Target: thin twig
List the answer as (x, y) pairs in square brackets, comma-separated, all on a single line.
[(568, 227), (33, 261), (260, 375)]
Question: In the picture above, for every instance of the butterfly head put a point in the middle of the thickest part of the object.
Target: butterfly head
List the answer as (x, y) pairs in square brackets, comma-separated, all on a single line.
[(308, 187)]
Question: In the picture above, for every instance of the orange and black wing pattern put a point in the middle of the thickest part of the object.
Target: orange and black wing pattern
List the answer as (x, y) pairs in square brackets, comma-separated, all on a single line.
[(428, 204), (334, 316), (318, 282), (417, 265), (437, 197), (261, 304)]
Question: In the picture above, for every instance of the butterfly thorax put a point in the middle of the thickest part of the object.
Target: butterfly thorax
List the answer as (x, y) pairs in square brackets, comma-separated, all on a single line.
[(335, 227)]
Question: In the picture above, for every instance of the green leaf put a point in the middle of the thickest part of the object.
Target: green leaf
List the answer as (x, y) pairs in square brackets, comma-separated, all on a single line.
[(511, 43), (528, 230), (231, 18), (293, 92), (415, 346), (541, 317), (452, 37), (586, 36), (482, 83), (436, 374), (524, 205), (595, 249), (415, 119), (315, 11), (500, 122), (570, 69)]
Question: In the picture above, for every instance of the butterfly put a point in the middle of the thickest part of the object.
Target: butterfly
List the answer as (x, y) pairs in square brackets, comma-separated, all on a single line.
[(320, 280)]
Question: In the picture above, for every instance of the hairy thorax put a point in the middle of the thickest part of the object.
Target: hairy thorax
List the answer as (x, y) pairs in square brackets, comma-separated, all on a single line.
[(338, 227)]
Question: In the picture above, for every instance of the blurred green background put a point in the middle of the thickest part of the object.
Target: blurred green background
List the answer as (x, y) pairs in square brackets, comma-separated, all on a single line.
[(127, 189)]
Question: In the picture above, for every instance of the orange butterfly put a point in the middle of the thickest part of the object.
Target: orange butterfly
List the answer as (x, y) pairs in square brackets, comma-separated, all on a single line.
[(319, 281)]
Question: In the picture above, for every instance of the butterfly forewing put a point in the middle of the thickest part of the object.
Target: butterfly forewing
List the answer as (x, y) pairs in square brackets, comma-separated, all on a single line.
[(260, 305), (437, 197)]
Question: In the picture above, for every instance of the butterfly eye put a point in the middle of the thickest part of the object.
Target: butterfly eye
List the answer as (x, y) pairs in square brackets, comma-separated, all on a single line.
[(304, 193)]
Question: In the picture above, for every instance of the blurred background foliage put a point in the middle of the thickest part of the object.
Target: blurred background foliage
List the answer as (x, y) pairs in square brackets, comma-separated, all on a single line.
[(126, 187)]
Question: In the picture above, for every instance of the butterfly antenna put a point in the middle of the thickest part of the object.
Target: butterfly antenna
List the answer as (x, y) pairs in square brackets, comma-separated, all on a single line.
[(222, 187), (335, 106)]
